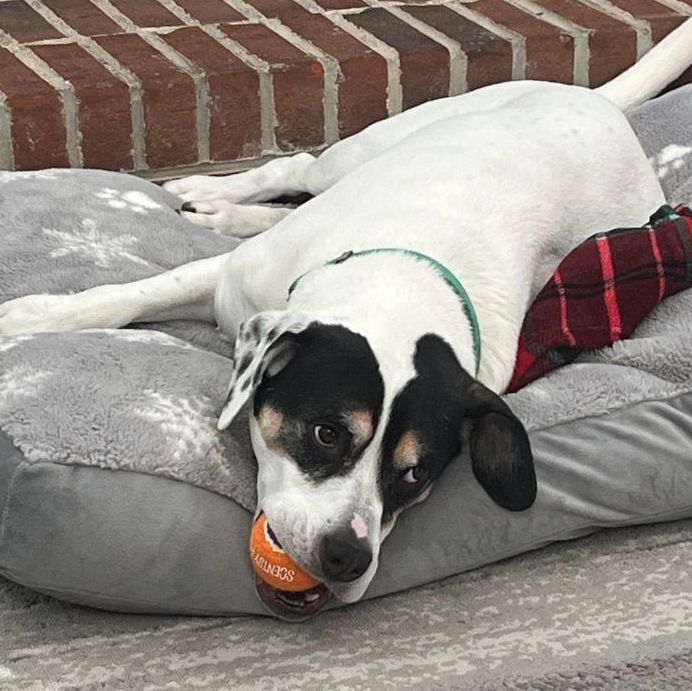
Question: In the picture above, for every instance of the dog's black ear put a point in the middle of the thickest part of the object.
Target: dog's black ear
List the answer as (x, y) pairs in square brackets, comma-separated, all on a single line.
[(500, 450), (444, 402)]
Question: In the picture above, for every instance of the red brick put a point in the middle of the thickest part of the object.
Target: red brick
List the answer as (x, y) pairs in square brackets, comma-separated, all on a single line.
[(298, 85), (234, 104), (363, 84), (168, 98), (210, 11), (612, 43), (146, 13), (23, 23), (362, 93), (549, 52), (682, 80), (489, 57), (662, 19), (104, 106), (662, 26), (84, 17), (424, 62), (38, 129)]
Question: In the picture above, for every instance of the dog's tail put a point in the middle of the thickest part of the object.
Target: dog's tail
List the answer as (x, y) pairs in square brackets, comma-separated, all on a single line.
[(660, 66)]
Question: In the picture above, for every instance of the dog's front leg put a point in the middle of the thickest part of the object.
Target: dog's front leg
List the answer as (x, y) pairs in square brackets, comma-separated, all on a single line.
[(186, 292), (235, 220), (281, 176), (232, 204)]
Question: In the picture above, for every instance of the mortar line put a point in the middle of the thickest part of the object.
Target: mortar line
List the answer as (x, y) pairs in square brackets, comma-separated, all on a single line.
[(6, 151), (197, 75), (516, 40), (330, 66), (458, 61), (104, 58), (268, 119), (377, 45), (579, 34), (642, 28), (65, 90)]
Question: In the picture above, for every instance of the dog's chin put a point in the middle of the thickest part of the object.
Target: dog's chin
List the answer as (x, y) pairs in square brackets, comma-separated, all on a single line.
[(292, 606)]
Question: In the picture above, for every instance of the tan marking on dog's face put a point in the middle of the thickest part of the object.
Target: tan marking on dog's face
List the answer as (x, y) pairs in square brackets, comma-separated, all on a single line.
[(270, 421), (360, 424), (407, 451)]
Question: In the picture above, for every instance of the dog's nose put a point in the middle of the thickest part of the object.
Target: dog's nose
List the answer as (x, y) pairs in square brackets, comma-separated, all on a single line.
[(344, 557)]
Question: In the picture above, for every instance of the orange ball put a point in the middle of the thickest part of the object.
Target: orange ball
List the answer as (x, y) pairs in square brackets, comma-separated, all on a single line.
[(273, 565)]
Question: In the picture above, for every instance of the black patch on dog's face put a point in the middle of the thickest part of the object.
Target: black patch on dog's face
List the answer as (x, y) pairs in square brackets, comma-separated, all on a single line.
[(432, 408), (256, 330), (429, 407), (332, 378), (244, 363)]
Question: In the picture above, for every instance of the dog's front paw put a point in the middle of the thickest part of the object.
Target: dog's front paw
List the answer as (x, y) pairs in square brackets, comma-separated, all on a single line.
[(197, 188), (235, 220), (37, 313)]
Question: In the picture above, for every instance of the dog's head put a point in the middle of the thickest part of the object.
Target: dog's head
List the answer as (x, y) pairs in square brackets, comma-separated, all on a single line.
[(343, 449)]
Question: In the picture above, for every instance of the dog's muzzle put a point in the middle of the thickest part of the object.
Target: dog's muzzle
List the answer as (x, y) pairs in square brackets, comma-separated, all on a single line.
[(344, 556)]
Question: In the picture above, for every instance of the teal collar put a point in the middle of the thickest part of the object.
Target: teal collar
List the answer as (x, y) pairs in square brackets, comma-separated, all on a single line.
[(450, 279)]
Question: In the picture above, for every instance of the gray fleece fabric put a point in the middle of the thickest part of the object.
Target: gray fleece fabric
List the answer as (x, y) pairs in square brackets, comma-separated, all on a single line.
[(117, 491)]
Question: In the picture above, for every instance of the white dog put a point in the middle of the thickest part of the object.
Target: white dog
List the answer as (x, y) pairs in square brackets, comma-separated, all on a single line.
[(409, 276)]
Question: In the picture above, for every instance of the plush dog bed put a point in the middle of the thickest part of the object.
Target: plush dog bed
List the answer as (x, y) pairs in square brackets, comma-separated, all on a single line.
[(117, 491)]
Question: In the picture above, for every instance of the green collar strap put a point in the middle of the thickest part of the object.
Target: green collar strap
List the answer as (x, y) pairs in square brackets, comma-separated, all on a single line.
[(450, 279)]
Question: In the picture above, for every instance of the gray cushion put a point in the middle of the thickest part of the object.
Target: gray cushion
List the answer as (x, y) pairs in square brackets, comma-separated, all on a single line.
[(117, 491)]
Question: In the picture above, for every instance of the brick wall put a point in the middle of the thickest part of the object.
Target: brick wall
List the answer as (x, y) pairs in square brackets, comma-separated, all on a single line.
[(163, 86)]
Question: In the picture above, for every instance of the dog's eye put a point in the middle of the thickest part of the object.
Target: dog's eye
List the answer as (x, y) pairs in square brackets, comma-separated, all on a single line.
[(326, 435), (415, 475)]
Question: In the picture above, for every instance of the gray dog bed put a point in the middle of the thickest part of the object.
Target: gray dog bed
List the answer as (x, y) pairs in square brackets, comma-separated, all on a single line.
[(117, 491)]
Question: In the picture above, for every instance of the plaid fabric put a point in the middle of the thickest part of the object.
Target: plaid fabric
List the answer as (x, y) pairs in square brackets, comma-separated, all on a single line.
[(602, 290)]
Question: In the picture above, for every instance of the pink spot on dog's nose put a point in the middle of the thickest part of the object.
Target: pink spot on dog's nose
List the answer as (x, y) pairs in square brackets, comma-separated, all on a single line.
[(359, 526)]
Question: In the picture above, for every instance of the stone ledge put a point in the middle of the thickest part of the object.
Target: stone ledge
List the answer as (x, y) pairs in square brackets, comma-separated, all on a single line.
[(166, 85)]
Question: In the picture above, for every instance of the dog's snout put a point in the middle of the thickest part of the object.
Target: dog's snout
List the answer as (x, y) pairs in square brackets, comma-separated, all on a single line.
[(344, 557)]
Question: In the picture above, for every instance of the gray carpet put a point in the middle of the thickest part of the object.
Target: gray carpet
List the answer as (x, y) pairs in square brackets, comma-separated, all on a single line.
[(611, 611)]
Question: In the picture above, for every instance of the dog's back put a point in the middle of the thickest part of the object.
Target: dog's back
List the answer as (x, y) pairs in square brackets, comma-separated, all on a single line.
[(497, 196)]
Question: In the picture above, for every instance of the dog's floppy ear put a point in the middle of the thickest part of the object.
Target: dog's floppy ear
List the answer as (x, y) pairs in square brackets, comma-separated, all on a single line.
[(265, 345), (500, 450), (448, 401)]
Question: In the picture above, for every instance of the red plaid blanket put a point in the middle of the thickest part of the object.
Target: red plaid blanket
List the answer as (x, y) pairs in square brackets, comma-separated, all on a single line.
[(602, 290)]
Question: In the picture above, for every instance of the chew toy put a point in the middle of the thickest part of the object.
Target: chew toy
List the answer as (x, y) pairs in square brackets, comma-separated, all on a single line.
[(272, 564)]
